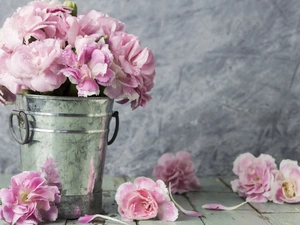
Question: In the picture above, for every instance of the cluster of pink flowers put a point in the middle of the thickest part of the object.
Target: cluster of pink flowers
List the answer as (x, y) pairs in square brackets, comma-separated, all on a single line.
[(260, 180), (29, 200), (44, 47), (178, 170)]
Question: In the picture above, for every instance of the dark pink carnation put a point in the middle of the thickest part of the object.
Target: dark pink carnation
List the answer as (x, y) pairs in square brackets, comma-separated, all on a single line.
[(179, 170)]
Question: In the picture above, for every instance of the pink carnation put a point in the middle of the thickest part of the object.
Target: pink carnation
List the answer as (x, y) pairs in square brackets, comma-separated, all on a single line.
[(90, 67), (36, 65), (98, 24), (179, 170), (255, 176), (144, 199), (286, 187), (37, 21), (29, 200), (134, 68)]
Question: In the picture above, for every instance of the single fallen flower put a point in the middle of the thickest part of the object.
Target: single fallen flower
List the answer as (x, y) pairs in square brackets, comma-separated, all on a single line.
[(214, 206), (89, 218), (186, 212)]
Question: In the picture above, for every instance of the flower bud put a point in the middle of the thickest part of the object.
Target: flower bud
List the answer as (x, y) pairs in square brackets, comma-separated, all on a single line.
[(73, 6)]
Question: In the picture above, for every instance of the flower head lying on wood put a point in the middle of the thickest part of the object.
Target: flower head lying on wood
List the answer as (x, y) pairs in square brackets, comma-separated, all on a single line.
[(145, 199), (29, 200), (286, 187), (178, 170), (255, 176)]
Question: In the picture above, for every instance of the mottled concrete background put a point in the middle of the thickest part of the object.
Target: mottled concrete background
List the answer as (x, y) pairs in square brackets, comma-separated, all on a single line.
[(227, 82)]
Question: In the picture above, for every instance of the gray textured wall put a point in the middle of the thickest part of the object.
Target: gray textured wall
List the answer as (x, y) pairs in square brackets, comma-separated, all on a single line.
[(227, 82)]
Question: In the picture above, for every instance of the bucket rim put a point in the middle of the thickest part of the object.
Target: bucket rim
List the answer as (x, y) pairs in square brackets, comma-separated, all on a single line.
[(36, 96)]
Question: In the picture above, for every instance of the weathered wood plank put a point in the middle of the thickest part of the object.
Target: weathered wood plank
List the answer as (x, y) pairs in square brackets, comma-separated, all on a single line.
[(57, 222), (283, 218), (271, 207), (244, 215), (110, 206), (5, 180), (213, 185)]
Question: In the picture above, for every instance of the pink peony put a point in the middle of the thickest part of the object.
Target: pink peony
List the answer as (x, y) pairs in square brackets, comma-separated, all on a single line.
[(286, 187), (255, 176), (36, 65), (179, 170), (144, 199), (29, 200)]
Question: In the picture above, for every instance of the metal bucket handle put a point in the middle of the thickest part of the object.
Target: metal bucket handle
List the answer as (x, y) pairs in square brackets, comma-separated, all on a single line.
[(22, 119), (116, 115)]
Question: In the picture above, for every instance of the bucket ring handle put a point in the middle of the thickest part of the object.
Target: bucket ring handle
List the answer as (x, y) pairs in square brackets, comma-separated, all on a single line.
[(115, 114), (22, 119)]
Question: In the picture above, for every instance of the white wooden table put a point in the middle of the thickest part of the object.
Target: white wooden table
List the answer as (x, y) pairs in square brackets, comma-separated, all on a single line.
[(215, 190)]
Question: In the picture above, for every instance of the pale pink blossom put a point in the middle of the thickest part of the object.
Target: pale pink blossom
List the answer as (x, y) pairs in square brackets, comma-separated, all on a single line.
[(98, 24), (255, 176), (134, 69), (179, 170), (6, 79), (29, 200), (38, 20), (286, 187), (145, 199), (36, 65), (90, 67)]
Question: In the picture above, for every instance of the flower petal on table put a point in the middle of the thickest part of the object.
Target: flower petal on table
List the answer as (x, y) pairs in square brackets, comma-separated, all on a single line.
[(214, 206), (186, 212), (89, 218)]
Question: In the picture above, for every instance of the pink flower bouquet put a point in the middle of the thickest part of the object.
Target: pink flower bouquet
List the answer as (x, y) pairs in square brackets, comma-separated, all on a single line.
[(46, 48)]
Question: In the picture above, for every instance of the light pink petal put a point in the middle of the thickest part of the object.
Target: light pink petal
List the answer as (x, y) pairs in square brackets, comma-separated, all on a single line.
[(89, 218), (242, 162), (123, 189), (87, 87), (167, 211), (214, 206), (144, 183)]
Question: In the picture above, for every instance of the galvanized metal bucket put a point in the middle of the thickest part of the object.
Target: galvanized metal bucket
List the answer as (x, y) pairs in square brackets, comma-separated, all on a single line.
[(66, 138)]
